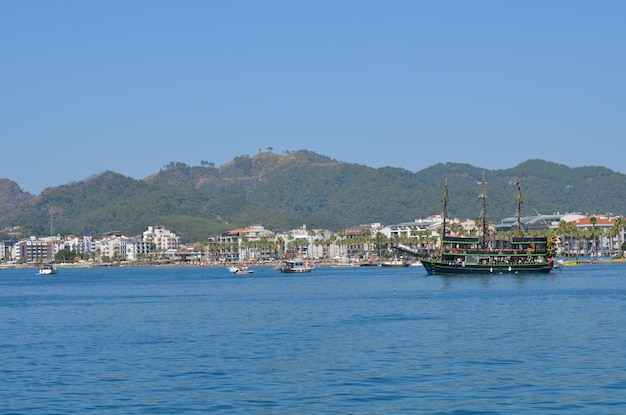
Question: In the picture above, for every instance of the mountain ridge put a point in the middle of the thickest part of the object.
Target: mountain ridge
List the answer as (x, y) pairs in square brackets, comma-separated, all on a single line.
[(301, 187)]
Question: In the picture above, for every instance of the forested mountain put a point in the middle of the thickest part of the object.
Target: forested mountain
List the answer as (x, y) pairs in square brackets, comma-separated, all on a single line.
[(286, 191), (11, 196)]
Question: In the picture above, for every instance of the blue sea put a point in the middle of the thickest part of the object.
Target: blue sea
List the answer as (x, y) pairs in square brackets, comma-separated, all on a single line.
[(336, 341)]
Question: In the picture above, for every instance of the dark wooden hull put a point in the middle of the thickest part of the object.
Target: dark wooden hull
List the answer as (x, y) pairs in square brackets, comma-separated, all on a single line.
[(445, 267)]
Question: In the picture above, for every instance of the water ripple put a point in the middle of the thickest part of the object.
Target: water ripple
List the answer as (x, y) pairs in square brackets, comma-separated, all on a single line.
[(145, 341)]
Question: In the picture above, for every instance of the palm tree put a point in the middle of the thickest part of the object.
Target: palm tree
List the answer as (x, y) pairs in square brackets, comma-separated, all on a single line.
[(332, 240), (611, 233), (572, 235), (243, 247), (561, 232), (618, 227), (567, 231), (598, 238), (317, 243), (342, 241), (311, 243), (365, 238), (423, 240), (381, 240), (432, 243), (290, 240), (551, 244), (280, 241), (456, 229), (586, 236), (303, 243), (593, 220)]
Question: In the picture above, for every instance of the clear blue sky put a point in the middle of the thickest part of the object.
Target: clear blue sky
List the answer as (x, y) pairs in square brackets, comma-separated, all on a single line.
[(129, 86)]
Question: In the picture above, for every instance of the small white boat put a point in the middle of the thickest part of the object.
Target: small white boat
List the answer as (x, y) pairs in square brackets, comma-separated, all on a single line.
[(240, 270), (46, 269)]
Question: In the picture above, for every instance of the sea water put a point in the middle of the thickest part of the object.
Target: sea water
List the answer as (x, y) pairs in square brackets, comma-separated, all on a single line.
[(336, 341)]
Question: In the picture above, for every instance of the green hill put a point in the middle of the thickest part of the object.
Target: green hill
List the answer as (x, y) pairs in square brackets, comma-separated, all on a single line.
[(286, 191)]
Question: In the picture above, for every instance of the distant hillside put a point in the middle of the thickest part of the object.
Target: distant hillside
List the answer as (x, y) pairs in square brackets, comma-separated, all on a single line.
[(112, 201), (12, 196), (286, 191)]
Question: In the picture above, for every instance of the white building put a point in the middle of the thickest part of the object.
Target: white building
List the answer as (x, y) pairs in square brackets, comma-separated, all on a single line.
[(83, 246), (162, 238)]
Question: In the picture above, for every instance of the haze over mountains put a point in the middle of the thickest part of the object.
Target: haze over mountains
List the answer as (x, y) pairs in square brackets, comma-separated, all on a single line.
[(300, 188)]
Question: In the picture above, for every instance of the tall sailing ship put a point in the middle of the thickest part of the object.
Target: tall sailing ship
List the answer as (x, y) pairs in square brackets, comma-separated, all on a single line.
[(488, 254)]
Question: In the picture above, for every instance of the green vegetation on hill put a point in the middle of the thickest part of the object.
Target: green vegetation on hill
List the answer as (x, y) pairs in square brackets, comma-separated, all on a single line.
[(287, 191)]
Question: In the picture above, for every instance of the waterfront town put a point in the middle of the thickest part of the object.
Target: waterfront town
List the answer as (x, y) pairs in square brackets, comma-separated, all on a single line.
[(578, 235)]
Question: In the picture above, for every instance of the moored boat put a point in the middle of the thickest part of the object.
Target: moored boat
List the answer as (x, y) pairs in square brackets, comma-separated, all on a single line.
[(296, 265), (46, 269), (240, 270), (394, 263), (488, 254)]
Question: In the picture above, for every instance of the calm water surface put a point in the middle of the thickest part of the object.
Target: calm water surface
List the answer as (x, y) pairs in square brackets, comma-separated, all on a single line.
[(336, 341)]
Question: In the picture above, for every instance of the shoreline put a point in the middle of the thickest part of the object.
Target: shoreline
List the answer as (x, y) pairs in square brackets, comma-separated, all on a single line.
[(274, 264)]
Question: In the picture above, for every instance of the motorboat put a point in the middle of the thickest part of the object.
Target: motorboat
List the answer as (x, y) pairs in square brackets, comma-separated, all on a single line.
[(46, 269), (296, 265)]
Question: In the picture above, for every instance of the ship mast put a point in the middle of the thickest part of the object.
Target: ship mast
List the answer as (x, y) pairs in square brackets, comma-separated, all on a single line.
[(518, 212), (483, 213), (444, 211)]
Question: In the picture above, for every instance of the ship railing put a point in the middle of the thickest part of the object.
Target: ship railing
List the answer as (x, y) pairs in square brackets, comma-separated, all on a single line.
[(495, 252)]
